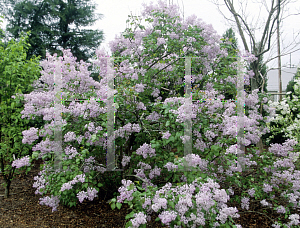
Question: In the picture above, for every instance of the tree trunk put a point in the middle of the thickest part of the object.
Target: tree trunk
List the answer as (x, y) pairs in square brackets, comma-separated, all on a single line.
[(279, 58), (6, 194), (253, 87), (7, 178), (254, 82), (260, 145)]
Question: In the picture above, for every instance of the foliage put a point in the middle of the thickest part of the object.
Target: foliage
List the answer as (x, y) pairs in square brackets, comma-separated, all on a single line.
[(230, 34), (229, 42), (16, 75)]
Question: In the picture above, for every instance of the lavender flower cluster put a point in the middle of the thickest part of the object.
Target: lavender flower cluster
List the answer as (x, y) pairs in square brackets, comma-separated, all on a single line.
[(18, 163)]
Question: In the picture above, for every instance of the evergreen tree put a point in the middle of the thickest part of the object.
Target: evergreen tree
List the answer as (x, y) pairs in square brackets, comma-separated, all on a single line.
[(230, 34), (232, 50)]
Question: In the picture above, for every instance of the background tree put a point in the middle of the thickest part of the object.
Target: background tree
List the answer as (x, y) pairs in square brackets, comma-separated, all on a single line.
[(229, 42), (279, 51), (16, 76), (230, 34), (49, 22)]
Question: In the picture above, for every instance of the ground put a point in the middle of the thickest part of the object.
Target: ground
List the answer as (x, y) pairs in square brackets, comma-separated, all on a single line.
[(22, 209)]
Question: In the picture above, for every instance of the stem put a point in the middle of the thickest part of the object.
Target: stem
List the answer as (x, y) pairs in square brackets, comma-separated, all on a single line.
[(6, 194)]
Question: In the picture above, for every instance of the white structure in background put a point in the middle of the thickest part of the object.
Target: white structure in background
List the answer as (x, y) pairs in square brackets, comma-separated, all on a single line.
[(287, 74)]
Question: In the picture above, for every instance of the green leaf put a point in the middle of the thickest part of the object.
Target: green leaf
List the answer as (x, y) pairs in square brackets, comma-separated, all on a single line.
[(172, 204), (119, 205), (28, 169), (35, 154), (113, 206), (93, 137), (131, 215)]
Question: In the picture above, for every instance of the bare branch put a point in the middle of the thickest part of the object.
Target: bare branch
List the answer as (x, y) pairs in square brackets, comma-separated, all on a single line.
[(294, 14), (218, 8), (236, 16), (266, 6), (270, 35), (258, 17), (269, 60), (268, 30), (263, 41)]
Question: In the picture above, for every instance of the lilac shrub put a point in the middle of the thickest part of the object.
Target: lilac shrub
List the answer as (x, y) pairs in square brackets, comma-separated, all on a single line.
[(143, 152)]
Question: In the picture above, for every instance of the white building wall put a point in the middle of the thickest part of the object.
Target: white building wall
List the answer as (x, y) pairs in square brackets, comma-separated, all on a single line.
[(273, 84)]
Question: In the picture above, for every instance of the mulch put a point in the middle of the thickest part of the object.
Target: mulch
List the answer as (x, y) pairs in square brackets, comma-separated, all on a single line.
[(22, 209)]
